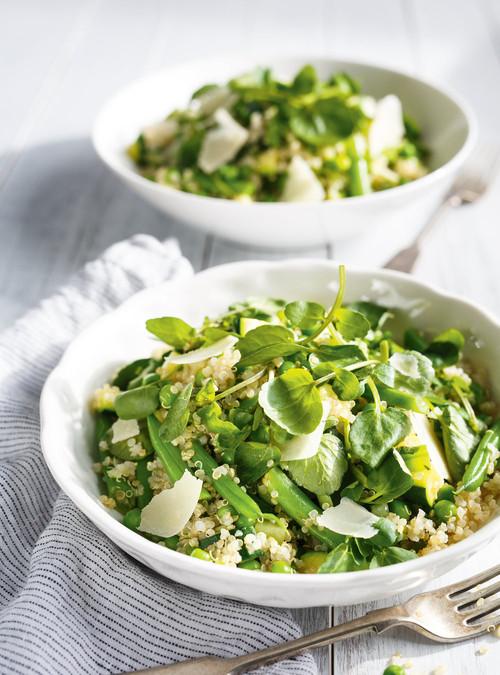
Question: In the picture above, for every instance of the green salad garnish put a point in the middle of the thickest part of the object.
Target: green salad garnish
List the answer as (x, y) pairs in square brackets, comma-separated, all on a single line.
[(289, 437), (258, 138)]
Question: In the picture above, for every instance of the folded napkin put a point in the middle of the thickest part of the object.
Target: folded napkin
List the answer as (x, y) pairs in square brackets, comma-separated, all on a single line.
[(70, 600)]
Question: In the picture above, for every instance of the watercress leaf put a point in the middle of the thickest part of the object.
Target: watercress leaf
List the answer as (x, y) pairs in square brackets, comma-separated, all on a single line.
[(374, 433), (253, 460), (305, 81), (178, 416), (351, 324), (446, 348), (370, 310), (346, 385), (384, 373), (459, 441), (175, 332), (137, 403), (292, 401), (304, 315), (129, 372), (413, 372), (322, 473), (213, 334), (353, 491), (387, 533), (266, 343), (392, 555), (389, 481), (340, 559), (325, 122), (415, 340), (343, 355)]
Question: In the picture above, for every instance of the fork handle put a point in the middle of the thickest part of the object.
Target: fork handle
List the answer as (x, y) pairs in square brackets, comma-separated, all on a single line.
[(377, 621), (404, 260)]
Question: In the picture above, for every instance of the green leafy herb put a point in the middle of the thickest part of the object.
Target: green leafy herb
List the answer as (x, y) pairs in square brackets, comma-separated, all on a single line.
[(392, 555), (370, 311), (346, 385), (351, 324), (266, 343), (175, 332), (178, 416), (304, 315), (137, 403), (389, 481), (323, 472), (341, 559), (375, 432), (292, 401), (253, 460), (459, 441), (446, 348)]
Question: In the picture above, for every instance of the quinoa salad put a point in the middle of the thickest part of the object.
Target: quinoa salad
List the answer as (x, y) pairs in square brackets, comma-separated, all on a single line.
[(288, 437), (258, 138)]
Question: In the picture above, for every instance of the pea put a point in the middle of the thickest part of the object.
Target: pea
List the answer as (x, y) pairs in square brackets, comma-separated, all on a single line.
[(444, 510), (281, 567), (200, 554), (132, 519), (400, 509), (311, 561), (380, 510), (273, 527), (446, 492), (250, 565), (394, 670), (286, 365)]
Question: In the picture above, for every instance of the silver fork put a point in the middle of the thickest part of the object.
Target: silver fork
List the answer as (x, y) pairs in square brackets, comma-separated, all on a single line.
[(470, 186), (451, 614)]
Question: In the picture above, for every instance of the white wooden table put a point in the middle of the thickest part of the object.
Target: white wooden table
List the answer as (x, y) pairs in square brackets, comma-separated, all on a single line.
[(59, 207)]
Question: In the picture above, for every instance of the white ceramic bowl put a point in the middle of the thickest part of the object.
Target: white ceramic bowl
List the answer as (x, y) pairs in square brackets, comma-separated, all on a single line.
[(120, 336), (448, 127)]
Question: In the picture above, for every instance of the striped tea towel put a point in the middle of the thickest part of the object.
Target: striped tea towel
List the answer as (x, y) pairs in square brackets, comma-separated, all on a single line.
[(70, 601)]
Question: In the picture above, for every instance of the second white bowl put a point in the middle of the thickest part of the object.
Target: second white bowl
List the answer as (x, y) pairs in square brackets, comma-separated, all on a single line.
[(448, 130)]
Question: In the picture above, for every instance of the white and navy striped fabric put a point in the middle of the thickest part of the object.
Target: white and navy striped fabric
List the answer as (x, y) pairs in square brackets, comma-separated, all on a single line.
[(70, 601)]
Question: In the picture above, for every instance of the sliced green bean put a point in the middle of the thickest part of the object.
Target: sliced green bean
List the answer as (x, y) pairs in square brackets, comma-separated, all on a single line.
[(477, 470), (226, 486), (168, 454), (297, 505)]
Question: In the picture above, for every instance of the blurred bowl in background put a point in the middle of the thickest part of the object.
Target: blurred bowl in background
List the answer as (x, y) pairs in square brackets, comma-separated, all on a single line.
[(448, 129)]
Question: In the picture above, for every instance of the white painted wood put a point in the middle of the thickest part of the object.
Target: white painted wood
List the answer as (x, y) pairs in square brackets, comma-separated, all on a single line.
[(59, 207)]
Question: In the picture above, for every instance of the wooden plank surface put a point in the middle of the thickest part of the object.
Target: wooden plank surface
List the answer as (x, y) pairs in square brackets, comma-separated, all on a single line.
[(59, 207)]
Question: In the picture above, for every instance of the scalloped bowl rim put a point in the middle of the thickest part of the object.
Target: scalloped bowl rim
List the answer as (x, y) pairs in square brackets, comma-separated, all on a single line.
[(117, 531), (109, 158)]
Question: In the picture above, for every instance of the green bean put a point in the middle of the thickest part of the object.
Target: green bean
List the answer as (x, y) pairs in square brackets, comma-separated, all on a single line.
[(168, 454), (359, 173), (225, 485), (122, 492), (402, 399), (297, 505), (142, 474), (476, 472)]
